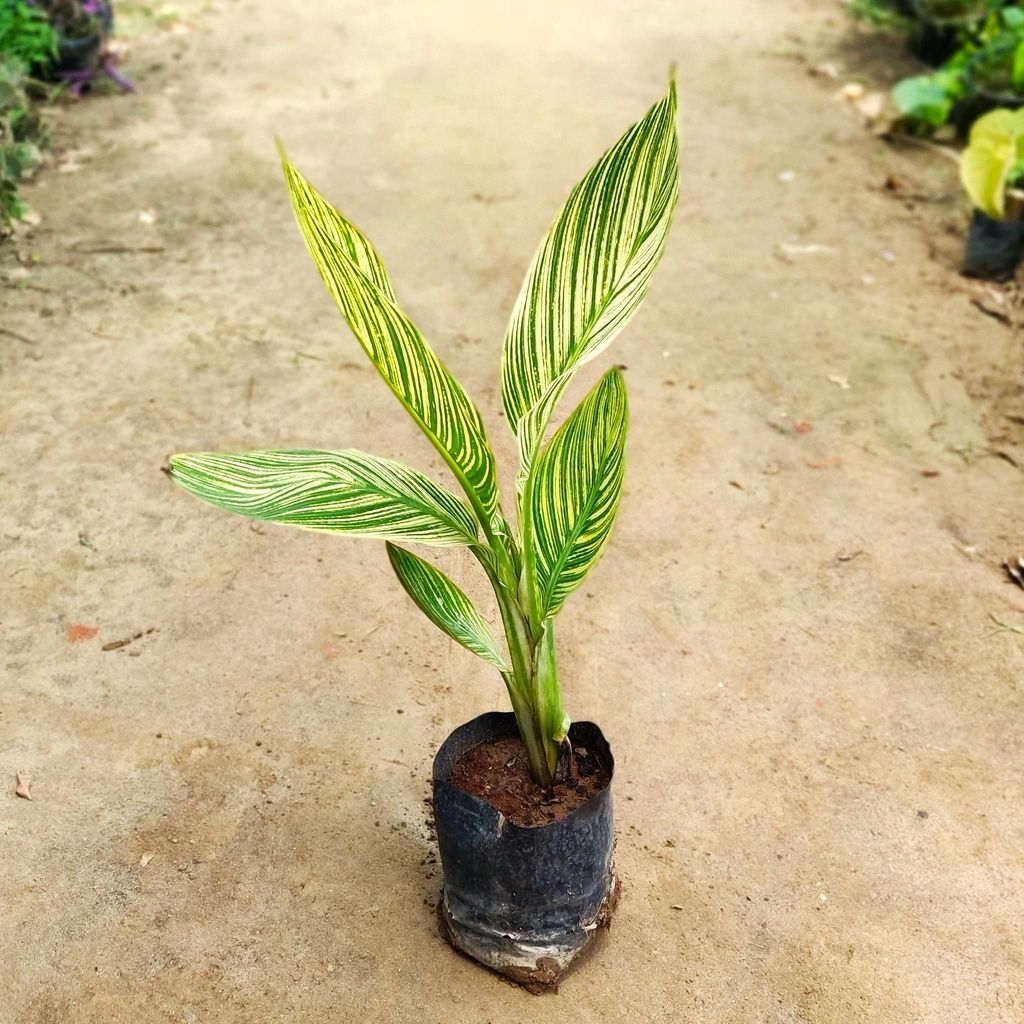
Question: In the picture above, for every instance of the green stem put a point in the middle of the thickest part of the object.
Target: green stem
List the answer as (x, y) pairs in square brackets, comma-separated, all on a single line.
[(547, 696), (520, 681)]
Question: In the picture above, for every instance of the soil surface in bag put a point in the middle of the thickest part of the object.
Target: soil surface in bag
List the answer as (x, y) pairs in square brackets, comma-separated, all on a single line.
[(498, 771)]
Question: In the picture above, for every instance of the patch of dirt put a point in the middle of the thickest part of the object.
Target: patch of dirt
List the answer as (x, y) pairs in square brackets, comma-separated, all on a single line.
[(497, 771)]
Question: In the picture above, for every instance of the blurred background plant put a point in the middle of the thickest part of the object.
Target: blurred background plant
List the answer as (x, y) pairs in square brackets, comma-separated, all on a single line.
[(993, 163), (27, 35), (984, 70), (21, 137), (973, 48), (83, 29), (46, 47), (887, 15), (28, 42)]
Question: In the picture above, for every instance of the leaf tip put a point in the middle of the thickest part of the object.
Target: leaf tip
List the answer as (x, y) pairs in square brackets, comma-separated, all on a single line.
[(181, 467), (614, 380), (396, 556)]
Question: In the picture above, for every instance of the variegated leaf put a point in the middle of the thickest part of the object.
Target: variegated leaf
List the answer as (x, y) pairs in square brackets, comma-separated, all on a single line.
[(356, 278), (987, 164), (590, 273), (445, 605), (574, 494), (340, 492)]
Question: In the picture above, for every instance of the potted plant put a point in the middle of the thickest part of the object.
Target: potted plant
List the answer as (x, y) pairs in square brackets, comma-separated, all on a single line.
[(83, 29), (981, 69), (990, 166), (522, 800)]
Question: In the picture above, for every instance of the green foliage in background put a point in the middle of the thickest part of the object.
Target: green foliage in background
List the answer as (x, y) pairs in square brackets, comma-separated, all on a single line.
[(587, 278), (955, 12), (989, 62), (26, 34), (982, 42), (927, 101), (881, 14), (21, 136), (28, 43)]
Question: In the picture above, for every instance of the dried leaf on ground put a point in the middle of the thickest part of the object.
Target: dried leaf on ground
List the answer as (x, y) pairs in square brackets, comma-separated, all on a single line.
[(116, 645), (826, 69), (872, 106), (1004, 627)]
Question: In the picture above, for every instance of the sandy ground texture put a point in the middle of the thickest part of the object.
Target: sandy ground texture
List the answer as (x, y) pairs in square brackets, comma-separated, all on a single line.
[(790, 642)]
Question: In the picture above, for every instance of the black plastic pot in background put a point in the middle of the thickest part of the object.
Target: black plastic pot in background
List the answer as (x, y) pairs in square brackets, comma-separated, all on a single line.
[(522, 901), (966, 111), (76, 54), (81, 53), (994, 248), (932, 44)]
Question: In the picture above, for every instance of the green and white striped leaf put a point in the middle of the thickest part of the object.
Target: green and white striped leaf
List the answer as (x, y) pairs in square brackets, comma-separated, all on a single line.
[(590, 273), (575, 493), (356, 278), (339, 492), (445, 605)]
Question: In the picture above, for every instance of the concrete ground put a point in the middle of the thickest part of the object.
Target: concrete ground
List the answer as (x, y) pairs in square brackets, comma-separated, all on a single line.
[(791, 641)]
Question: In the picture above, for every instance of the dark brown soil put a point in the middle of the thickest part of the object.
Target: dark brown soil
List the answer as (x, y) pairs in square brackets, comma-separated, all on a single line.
[(497, 771)]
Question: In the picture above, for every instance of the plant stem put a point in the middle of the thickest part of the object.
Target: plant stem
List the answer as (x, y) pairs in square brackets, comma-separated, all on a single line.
[(521, 651), (547, 696), (521, 680)]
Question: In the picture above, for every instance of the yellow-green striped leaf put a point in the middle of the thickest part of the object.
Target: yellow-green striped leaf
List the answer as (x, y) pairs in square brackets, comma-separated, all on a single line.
[(590, 273), (356, 278), (445, 605), (574, 494), (339, 492)]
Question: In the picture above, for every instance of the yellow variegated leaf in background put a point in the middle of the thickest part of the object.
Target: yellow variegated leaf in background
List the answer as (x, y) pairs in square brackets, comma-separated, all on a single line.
[(995, 146)]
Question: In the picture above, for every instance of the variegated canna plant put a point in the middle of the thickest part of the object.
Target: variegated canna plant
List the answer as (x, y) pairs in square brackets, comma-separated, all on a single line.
[(587, 278)]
